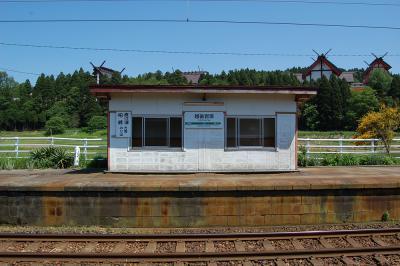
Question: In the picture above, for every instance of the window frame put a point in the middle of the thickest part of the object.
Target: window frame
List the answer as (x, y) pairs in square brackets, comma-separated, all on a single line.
[(237, 130), (156, 148)]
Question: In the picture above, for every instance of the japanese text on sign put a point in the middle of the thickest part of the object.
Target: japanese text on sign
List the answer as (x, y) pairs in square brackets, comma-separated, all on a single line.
[(123, 125), (204, 120)]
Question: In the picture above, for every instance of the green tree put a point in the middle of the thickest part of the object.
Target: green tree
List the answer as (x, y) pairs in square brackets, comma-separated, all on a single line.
[(380, 80), (310, 116), (359, 104), (97, 123), (324, 106), (395, 87), (55, 125)]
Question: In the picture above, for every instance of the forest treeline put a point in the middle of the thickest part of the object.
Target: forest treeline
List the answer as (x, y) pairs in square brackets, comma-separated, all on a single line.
[(65, 98)]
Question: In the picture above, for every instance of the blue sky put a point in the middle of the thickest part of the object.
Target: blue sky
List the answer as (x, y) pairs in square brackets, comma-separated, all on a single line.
[(192, 37)]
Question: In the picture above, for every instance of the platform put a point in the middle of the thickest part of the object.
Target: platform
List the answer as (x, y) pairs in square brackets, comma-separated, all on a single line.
[(310, 196), (305, 179)]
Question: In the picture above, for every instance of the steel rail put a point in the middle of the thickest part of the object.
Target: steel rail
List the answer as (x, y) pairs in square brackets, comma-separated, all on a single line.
[(188, 237), (208, 255)]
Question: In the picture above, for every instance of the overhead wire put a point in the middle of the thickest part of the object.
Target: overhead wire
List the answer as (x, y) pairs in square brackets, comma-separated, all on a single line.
[(176, 51), (254, 22), (312, 2), (19, 71)]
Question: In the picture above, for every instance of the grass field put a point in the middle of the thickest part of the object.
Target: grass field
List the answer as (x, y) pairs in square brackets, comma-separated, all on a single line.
[(327, 134), (71, 133), (28, 145)]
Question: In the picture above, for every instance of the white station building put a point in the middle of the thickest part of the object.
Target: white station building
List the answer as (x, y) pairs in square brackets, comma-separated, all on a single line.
[(172, 129)]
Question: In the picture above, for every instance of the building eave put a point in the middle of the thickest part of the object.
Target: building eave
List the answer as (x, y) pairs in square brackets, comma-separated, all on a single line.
[(106, 90)]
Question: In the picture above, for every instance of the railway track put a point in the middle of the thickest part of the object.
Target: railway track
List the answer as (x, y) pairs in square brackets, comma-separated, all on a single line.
[(346, 247)]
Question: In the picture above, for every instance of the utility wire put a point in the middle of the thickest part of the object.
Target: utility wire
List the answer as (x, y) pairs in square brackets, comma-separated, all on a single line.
[(202, 22), (18, 71), (215, 1), (177, 52)]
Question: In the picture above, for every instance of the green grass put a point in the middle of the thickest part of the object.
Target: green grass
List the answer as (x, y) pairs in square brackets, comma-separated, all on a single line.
[(330, 134), (72, 133), (326, 134)]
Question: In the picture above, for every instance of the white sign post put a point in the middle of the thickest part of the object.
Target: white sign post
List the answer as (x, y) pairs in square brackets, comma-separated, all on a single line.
[(123, 125), (77, 155), (204, 120)]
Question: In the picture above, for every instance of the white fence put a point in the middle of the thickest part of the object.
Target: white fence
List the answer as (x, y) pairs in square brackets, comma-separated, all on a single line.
[(347, 146), (19, 147)]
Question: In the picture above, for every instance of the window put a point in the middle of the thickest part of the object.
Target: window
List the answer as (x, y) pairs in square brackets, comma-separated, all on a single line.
[(157, 132), (250, 132)]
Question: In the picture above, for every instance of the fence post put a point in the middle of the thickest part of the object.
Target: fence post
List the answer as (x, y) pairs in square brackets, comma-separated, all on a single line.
[(373, 146), (77, 155), (16, 147), (308, 148), (341, 145), (52, 141), (85, 143)]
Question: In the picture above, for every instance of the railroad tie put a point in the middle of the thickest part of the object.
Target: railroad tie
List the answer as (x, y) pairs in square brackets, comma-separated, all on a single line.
[(32, 247), (316, 262), (352, 242), (325, 243), (211, 263), (239, 245), (381, 260), (379, 241), (348, 261), (119, 247), (59, 247), (267, 245), (90, 247), (247, 263), (3, 247), (180, 247), (151, 247), (297, 244), (280, 262), (210, 247), (179, 263), (34, 264)]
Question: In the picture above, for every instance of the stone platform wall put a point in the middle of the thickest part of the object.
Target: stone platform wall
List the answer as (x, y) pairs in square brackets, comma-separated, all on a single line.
[(198, 209)]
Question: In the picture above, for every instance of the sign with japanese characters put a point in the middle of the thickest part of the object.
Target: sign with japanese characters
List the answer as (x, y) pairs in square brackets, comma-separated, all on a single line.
[(123, 125), (204, 120)]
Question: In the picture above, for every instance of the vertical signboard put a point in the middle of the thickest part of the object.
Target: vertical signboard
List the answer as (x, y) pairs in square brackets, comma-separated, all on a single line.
[(204, 120), (123, 125)]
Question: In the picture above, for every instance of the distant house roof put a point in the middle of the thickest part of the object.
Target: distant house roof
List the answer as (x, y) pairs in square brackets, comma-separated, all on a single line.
[(322, 59), (348, 76), (377, 63), (104, 70), (194, 76), (299, 76)]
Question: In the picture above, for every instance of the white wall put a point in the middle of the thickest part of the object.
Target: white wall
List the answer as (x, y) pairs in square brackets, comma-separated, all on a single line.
[(203, 149), (316, 72)]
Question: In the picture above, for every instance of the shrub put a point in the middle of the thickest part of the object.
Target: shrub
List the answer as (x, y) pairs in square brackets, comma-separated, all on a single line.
[(15, 163), (98, 162), (52, 157), (347, 160), (378, 160), (385, 216), (97, 123), (55, 125)]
